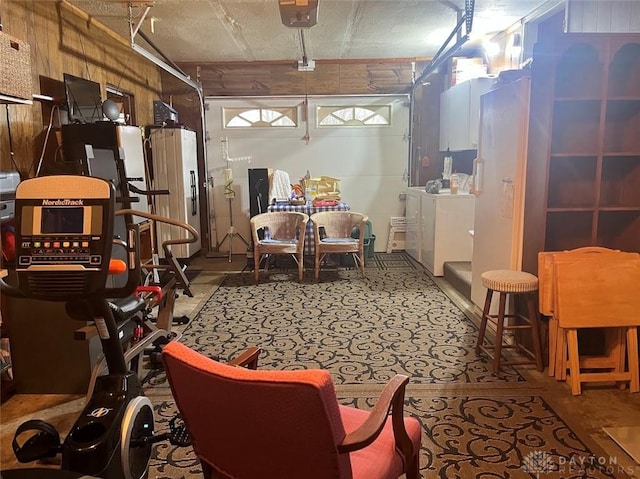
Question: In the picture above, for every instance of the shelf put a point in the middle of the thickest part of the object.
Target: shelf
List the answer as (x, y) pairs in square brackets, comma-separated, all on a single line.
[(576, 126), (570, 209), (619, 230), (624, 71), (568, 230), (593, 169), (619, 186), (622, 126), (579, 72), (572, 182)]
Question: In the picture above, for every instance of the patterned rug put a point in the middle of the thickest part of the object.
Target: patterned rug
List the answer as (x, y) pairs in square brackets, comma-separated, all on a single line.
[(361, 329), (498, 434), (364, 331)]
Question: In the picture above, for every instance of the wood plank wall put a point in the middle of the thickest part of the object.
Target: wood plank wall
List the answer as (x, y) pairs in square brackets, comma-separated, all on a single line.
[(63, 42)]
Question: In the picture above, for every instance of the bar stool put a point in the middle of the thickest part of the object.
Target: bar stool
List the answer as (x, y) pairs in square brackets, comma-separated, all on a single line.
[(510, 282)]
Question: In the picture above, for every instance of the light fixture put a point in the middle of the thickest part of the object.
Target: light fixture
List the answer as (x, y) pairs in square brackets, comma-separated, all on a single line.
[(299, 13), (491, 49)]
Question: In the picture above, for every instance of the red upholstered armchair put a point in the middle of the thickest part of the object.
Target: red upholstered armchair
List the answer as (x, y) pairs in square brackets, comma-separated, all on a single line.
[(249, 424)]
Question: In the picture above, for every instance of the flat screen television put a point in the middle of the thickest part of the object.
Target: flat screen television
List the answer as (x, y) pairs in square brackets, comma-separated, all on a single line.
[(84, 99)]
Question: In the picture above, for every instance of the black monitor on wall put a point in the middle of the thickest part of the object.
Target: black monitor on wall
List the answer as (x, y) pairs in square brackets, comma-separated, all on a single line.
[(84, 99)]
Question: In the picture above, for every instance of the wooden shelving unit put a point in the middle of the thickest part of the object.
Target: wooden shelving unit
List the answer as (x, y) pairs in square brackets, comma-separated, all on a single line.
[(593, 172)]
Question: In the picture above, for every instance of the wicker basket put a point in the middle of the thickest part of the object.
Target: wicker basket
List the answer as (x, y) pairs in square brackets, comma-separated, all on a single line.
[(15, 74)]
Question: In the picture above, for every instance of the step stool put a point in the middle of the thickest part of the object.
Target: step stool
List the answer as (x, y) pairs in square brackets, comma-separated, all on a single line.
[(397, 225)]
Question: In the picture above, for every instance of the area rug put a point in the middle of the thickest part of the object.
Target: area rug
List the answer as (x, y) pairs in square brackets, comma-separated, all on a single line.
[(503, 435), (362, 329), (365, 330)]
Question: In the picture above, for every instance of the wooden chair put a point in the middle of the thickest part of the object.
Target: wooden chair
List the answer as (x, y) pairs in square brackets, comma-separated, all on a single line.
[(332, 232), (599, 294), (614, 338), (288, 424), (280, 232)]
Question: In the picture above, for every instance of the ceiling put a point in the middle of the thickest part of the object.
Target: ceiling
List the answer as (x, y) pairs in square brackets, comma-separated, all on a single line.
[(252, 30)]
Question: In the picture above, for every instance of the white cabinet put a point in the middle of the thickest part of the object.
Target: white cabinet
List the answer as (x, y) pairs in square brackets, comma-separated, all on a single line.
[(414, 230), (460, 114), (445, 223), (438, 228), (175, 168)]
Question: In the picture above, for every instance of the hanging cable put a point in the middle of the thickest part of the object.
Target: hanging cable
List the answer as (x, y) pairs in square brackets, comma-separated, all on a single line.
[(11, 152), (305, 61), (46, 140)]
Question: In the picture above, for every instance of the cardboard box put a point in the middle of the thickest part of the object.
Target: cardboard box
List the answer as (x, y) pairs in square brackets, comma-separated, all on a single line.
[(324, 187)]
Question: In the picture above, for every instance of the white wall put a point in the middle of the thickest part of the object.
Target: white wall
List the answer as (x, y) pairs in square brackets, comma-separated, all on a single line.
[(371, 162)]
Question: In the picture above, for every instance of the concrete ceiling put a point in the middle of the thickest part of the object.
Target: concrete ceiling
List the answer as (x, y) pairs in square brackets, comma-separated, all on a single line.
[(251, 30)]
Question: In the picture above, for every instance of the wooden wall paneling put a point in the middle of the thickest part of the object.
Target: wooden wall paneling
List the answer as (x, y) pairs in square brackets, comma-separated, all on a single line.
[(325, 78), (390, 77), (354, 79), (61, 41), (16, 120), (248, 80), (283, 78)]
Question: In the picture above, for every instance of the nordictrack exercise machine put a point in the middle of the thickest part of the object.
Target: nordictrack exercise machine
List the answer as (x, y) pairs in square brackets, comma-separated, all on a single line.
[(64, 238), (154, 333)]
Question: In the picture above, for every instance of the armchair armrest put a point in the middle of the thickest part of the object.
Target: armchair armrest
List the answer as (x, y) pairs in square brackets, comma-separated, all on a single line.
[(391, 398), (248, 358)]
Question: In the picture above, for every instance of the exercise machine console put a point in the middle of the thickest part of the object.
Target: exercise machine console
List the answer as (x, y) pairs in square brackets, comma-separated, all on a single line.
[(64, 241)]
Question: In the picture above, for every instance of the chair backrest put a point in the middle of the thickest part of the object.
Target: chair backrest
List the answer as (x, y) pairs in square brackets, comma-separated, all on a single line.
[(339, 224), (247, 423), (592, 294), (284, 225)]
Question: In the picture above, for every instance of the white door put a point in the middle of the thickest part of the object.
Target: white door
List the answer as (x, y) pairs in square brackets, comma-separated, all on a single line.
[(368, 156)]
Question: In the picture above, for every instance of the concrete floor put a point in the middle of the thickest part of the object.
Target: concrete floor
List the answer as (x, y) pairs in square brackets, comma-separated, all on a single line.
[(599, 405)]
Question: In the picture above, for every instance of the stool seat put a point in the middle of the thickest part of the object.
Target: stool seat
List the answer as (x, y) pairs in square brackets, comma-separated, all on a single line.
[(509, 281)]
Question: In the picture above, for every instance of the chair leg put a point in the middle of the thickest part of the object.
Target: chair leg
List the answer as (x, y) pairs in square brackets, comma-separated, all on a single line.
[(316, 267), (561, 355), (574, 362), (413, 467), (632, 352), (615, 349), (499, 331), (207, 470), (483, 322), (534, 319), (300, 267), (553, 338), (256, 264)]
